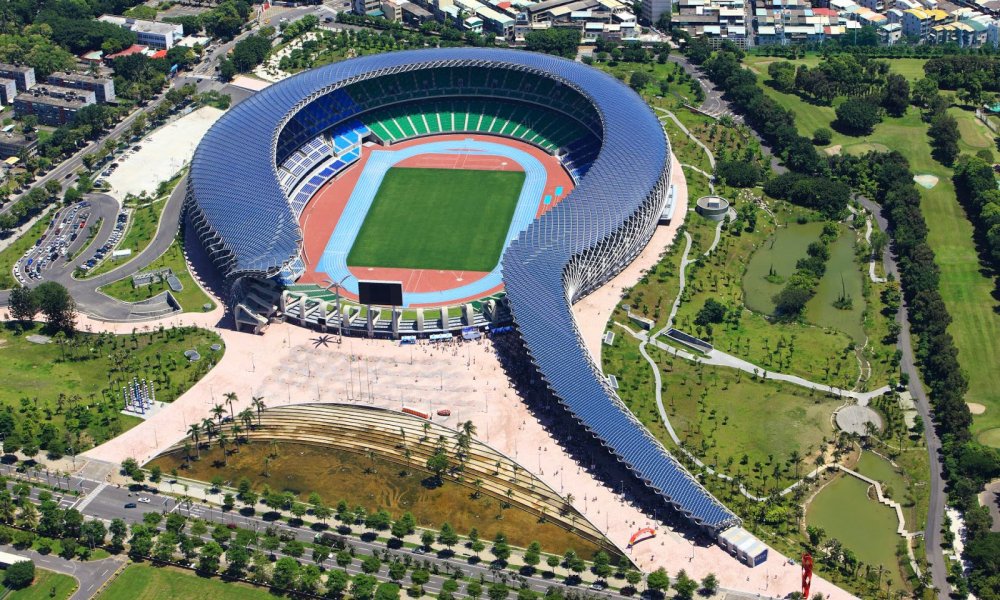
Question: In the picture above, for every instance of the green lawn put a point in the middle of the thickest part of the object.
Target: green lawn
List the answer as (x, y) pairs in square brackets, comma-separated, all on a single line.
[(438, 219), (191, 298), (47, 586), (145, 582), (13, 252), (864, 526), (54, 383)]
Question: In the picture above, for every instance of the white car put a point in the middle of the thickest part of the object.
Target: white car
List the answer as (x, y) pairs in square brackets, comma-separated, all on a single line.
[(144, 499)]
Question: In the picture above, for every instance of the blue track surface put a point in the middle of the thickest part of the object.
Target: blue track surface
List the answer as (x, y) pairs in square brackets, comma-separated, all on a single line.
[(334, 259)]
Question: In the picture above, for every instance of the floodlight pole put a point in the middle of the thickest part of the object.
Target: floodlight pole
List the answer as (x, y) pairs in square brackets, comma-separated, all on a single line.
[(336, 291)]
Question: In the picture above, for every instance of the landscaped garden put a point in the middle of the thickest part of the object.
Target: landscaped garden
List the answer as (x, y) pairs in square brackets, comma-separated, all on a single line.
[(62, 394)]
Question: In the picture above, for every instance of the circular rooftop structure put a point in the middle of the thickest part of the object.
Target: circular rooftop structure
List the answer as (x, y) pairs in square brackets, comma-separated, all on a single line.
[(713, 208)]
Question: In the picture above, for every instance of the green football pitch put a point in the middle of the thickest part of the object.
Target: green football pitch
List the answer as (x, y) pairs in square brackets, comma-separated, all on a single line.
[(449, 219)]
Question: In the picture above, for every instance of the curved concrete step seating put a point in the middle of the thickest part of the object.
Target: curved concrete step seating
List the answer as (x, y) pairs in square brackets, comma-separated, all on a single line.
[(390, 434)]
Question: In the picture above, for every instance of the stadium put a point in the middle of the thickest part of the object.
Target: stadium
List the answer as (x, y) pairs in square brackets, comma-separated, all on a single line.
[(499, 186)]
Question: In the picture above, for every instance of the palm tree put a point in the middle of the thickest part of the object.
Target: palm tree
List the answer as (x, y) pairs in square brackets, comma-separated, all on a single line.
[(469, 429), (231, 398), (246, 417), (795, 458), (195, 432), (7, 507), (218, 411), (28, 519), (209, 426), (223, 440), (237, 430), (258, 404), (478, 484)]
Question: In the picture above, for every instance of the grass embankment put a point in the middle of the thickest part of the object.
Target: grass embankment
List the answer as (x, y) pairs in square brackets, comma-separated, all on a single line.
[(462, 216), (191, 298), (375, 483), (146, 582), (47, 586), (966, 289), (80, 379), (18, 247)]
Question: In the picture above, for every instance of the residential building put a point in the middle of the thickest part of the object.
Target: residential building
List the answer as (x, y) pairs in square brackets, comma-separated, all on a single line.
[(150, 33), (8, 89), (653, 9), (24, 77), (366, 7), (103, 87), (890, 33), (917, 23), (52, 105), (715, 20), (877, 5), (14, 144), (966, 33)]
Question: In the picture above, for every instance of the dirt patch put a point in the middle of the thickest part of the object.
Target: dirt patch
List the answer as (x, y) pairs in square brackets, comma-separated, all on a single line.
[(833, 150), (38, 339), (976, 408)]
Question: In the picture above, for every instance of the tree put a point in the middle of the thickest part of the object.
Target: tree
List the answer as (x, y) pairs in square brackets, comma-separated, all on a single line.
[(710, 584), (858, 116), (822, 136), (897, 95), (658, 581), (684, 586), (944, 138), (639, 80), (561, 41), (500, 549), (363, 587), (448, 537), (712, 311), (208, 558), (602, 564), (533, 554), (790, 301), (23, 304), (19, 575), (738, 173), (57, 305), (387, 591), (336, 583), (286, 573), (438, 463)]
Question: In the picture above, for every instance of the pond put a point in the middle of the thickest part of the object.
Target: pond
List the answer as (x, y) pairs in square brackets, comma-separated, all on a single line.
[(778, 254)]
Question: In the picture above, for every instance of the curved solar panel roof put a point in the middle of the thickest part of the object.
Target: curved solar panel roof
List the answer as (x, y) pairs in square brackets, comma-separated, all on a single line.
[(233, 180)]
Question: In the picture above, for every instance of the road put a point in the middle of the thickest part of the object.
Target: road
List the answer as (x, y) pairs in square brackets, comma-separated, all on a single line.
[(90, 575), (107, 502), (938, 499)]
